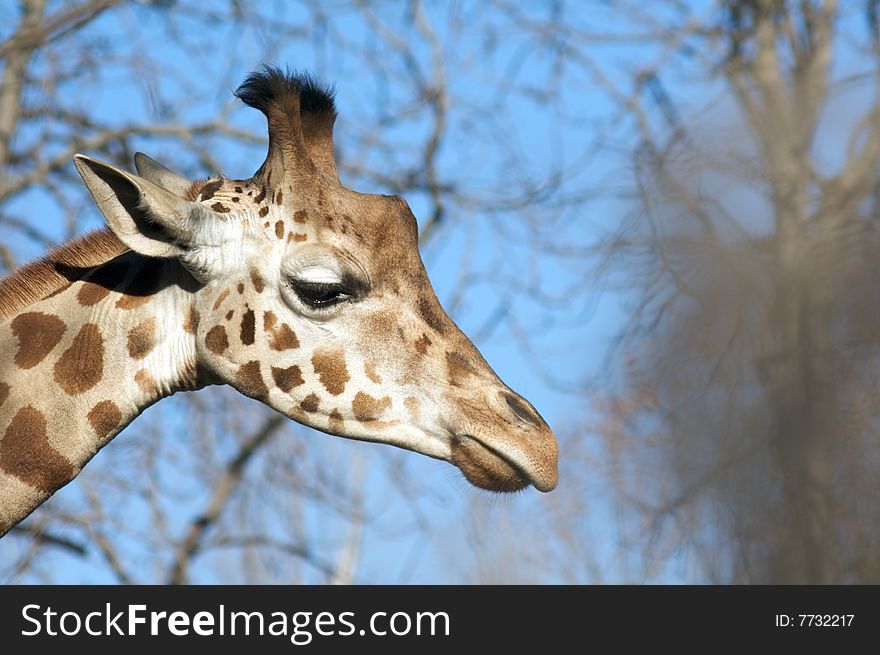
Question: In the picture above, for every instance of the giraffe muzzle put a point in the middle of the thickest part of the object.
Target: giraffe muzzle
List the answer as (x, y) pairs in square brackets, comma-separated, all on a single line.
[(501, 443), (511, 455)]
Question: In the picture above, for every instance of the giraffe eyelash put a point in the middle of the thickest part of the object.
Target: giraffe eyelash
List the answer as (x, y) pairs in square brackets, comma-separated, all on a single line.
[(320, 295)]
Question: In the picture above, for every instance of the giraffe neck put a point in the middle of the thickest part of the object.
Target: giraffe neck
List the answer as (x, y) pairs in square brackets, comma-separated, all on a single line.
[(79, 365)]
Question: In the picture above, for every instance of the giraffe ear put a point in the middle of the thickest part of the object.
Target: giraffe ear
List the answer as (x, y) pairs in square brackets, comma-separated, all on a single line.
[(146, 217), (149, 169)]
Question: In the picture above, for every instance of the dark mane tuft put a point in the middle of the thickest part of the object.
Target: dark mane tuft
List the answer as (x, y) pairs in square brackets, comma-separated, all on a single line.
[(270, 86)]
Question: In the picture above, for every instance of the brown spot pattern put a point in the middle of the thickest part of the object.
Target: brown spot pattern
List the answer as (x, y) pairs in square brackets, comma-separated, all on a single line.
[(264, 211), (241, 287), (81, 366), (331, 369), (269, 320), (370, 370), (422, 344), (191, 323), (104, 418), (223, 295), (279, 229), (230, 314), (248, 322), (412, 406), (296, 236), (25, 452), (146, 383), (216, 339), (4, 392), (257, 281), (284, 338), (287, 378), (366, 408), (142, 339), (300, 216), (37, 335), (250, 380), (431, 314), (210, 189), (91, 294), (381, 322), (260, 196), (279, 198), (220, 208), (458, 368), (310, 403), (336, 423)]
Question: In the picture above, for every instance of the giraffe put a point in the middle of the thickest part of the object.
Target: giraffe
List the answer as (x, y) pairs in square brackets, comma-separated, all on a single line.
[(295, 290)]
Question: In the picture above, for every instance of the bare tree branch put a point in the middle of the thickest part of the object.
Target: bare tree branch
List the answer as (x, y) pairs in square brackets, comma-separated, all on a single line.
[(32, 35), (192, 541), (47, 538), (13, 79)]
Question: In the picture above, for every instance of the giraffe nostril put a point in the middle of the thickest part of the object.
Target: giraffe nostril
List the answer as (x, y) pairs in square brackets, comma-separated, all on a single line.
[(523, 410)]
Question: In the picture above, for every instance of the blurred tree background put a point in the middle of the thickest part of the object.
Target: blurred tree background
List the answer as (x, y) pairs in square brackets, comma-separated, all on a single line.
[(656, 220)]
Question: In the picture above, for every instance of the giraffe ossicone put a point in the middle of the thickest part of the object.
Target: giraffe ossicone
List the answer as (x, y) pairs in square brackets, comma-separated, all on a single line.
[(297, 291)]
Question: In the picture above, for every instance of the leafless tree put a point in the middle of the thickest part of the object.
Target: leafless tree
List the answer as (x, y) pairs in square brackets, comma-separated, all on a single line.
[(746, 403)]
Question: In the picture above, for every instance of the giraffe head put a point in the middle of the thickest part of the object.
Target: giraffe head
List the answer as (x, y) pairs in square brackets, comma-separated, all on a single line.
[(313, 299)]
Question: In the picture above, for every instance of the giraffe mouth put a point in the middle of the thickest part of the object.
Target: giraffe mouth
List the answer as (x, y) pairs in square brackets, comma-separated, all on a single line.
[(486, 467)]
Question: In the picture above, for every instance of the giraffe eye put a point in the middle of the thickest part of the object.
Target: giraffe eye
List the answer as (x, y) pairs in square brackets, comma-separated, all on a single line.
[(321, 286), (320, 294)]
